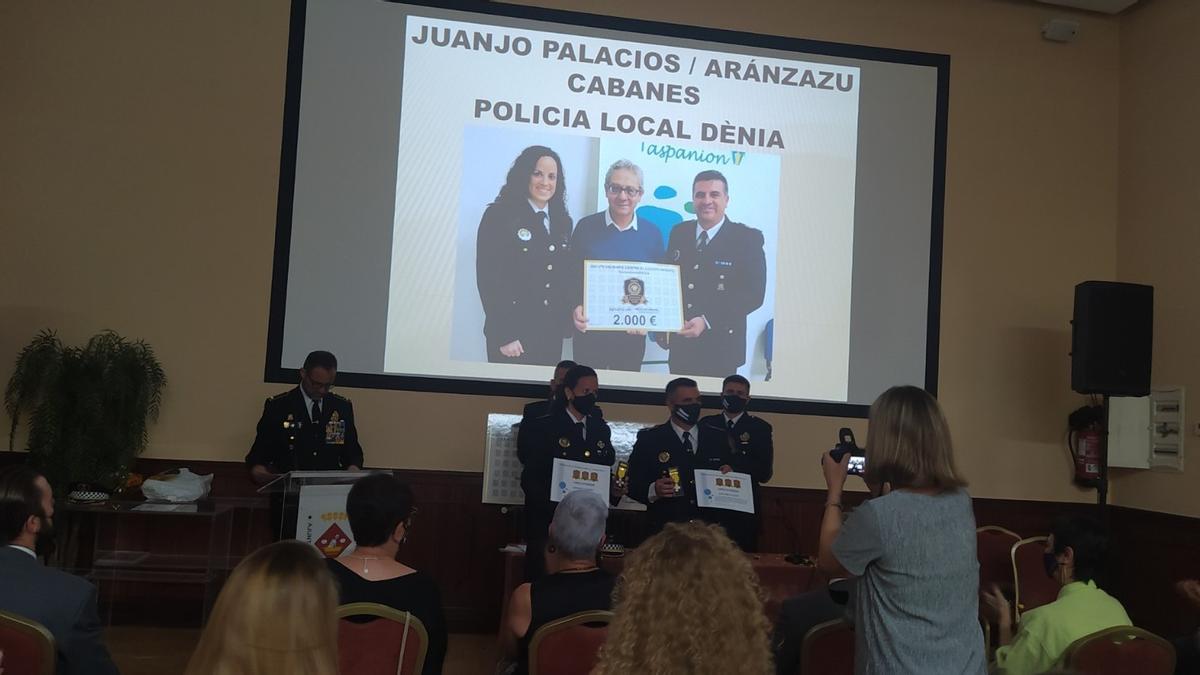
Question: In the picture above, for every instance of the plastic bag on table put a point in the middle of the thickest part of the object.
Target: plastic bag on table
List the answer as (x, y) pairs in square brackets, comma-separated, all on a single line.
[(177, 486)]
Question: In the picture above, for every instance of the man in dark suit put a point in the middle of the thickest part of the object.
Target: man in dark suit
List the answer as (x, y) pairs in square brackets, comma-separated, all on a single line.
[(752, 451), (676, 448), (308, 428), (538, 408), (64, 603), (724, 276)]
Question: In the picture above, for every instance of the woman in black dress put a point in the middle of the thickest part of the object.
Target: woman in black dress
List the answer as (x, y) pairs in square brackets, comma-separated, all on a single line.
[(380, 508), (574, 583), (522, 261)]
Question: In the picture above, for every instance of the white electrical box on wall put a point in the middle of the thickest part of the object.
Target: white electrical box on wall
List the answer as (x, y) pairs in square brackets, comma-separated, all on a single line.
[(1147, 432)]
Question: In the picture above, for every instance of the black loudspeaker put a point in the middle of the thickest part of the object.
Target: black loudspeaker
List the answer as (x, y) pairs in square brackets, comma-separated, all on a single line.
[(1112, 338)]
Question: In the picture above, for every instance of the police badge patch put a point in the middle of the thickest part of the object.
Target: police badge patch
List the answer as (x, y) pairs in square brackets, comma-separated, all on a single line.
[(524, 234), (635, 292)]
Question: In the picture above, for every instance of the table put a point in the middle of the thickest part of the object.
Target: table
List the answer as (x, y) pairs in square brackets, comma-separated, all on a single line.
[(119, 544), (778, 578)]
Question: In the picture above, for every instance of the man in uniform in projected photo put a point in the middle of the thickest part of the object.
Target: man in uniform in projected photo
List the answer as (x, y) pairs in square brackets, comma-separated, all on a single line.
[(522, 260), (724, 274), (665, 457), (308, 428), (751, 449), (617, 233)]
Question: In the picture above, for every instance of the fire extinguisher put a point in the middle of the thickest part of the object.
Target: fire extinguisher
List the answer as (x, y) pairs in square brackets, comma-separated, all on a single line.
[(1084, 442)]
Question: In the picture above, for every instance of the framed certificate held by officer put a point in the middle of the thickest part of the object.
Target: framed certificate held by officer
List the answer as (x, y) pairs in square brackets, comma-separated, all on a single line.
[(625, 295)]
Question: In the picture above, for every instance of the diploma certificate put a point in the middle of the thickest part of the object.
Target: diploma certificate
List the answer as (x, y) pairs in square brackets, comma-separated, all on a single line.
[(732, 491), (623, 295), (571, 476)]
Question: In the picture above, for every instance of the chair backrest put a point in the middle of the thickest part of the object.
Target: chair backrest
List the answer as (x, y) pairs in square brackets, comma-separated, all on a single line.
[(394, 643), (570, 645), (828, 649), (1032, 587), (993, 546), (1123, 649), (27, 646)]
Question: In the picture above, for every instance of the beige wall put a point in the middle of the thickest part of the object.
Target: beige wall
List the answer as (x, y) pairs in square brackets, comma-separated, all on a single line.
[(1158, 237), (139, 171)]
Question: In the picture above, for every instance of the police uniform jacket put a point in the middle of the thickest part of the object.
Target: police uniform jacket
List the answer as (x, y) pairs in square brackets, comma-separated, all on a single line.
[(751, 444), (521, 270), (659, 448), (724, 283), (554, 435), (287, 441)]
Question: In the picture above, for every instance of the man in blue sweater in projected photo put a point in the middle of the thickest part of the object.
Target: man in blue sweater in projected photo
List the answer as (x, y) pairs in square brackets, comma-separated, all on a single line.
[(617, 233)]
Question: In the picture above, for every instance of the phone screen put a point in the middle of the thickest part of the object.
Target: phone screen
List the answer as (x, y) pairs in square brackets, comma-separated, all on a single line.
[(858, 464)]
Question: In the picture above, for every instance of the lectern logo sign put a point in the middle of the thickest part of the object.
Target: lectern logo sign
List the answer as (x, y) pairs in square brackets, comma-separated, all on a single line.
[(333, 541)]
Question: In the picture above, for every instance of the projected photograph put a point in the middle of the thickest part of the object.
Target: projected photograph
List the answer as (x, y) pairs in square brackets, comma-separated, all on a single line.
[(673, 283), (492, 193)]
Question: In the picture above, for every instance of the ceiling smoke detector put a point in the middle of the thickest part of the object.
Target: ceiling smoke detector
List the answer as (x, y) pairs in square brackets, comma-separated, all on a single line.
[(1104, 6)]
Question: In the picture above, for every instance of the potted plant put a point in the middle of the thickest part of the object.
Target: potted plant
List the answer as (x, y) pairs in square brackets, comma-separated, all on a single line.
[(89, 408)]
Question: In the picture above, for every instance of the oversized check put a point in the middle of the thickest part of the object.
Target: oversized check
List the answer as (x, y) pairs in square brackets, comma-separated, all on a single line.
[(624, 295)]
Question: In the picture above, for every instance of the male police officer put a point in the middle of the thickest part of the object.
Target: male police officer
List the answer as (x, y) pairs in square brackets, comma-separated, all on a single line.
[(664, 458), (308, 428), (752, 451), (724, 276), (543, 407)]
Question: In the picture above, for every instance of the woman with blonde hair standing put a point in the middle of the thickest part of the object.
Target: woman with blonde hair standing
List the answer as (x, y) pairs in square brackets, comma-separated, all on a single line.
[(912, 547), (276, 615), (688, 601)]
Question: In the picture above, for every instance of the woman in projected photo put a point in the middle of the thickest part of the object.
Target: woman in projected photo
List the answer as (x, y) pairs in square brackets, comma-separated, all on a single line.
[(522, 261)]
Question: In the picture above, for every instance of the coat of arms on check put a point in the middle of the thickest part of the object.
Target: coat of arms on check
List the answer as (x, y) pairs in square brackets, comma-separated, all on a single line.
[(635, 292)]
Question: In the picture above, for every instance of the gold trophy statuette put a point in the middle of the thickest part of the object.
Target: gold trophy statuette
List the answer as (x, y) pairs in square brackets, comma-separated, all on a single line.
[(674, 473)]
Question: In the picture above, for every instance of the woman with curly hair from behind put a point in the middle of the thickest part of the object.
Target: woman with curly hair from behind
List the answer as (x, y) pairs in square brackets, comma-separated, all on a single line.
[(687, 602)]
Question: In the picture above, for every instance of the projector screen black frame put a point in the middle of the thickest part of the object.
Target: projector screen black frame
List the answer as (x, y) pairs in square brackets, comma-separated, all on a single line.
[(276, 373)]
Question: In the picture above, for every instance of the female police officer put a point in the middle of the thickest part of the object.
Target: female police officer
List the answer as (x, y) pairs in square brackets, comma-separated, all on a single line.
[(567, 432)]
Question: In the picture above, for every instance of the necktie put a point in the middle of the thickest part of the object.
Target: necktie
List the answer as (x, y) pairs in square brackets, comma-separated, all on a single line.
[(687, 442), (316, 412), (702, 242), (544, 219), (582, 430), (729, 425)]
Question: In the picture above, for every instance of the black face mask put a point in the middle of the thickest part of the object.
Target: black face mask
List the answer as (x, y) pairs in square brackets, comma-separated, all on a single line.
[(1050, 563), (687, 413), (733, 403), (584, 404)]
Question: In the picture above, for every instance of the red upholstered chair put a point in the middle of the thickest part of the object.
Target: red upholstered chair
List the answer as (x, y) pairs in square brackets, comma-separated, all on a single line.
[(28, 647), (1032, 587), (570, 645), (1121, 650), (394, 643), (828, 649)]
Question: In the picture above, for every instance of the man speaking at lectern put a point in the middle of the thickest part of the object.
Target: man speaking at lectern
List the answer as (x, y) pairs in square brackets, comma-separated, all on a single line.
[(308, 428)]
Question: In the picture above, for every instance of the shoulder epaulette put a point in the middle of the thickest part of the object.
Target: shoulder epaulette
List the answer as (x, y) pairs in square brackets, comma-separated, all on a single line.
[(276, 397), (339, 397)]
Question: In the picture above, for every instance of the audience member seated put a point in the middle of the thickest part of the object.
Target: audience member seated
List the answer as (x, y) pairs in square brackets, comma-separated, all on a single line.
[(1187, 648), (912, 547), (64, 603), (573, 582), (1075, 554), (380, 508), (277, 615), (688, 601)]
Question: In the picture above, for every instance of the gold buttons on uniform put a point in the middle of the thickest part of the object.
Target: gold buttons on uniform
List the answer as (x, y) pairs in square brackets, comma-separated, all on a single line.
[(549, 267), (587, 453), (695, 267), (691, 286), (731, 331), (551, 248), (546, 303), (722, 276), (689, 305)]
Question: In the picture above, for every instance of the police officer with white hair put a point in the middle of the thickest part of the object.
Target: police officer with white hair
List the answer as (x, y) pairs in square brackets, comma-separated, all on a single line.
[(574, 583)]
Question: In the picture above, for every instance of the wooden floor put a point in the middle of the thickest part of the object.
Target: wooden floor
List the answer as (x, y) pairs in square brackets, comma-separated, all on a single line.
[(141, 650)]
